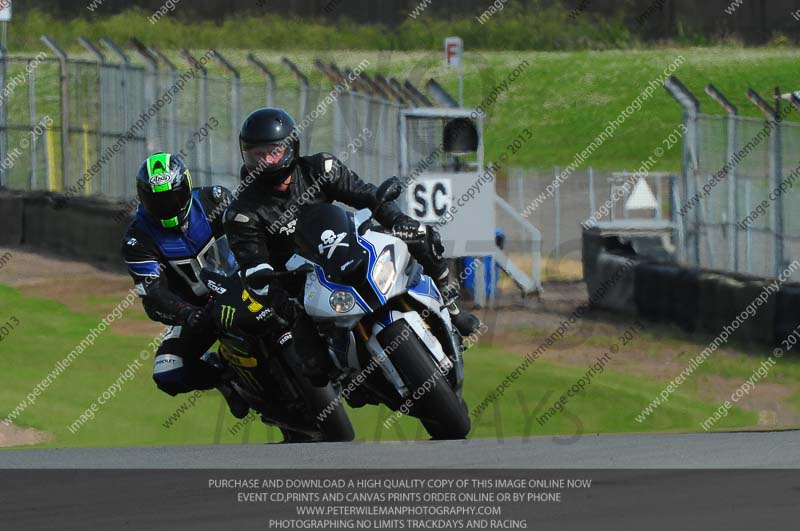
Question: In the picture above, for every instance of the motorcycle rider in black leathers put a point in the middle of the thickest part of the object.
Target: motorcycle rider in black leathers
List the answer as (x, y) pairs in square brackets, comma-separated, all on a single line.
[(277, 183), (165, 247)]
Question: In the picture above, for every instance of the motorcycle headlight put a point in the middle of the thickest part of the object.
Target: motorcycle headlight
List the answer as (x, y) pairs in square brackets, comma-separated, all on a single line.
[(384, 272), (342, 301)]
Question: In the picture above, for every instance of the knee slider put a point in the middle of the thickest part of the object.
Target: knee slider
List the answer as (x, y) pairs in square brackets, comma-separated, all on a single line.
[(170, 375)]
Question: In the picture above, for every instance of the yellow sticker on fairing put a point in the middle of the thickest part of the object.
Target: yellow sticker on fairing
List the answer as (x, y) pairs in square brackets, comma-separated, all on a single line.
[(235, 359), (252, 305)]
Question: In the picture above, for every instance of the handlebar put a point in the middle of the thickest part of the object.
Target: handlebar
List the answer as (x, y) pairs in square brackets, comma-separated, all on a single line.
[(272, 275), (420, 238)]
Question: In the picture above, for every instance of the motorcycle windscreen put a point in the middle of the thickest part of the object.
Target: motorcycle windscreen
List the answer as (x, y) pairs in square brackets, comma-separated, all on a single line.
[(220, 259), (326, 235)]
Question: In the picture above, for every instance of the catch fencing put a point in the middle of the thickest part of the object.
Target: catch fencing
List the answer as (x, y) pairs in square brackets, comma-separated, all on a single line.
[(586, 194), (738, 186), (82, 127)]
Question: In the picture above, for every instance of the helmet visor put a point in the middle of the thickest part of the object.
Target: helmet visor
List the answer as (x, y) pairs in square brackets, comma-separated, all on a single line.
[(266, 157), (169, 206)]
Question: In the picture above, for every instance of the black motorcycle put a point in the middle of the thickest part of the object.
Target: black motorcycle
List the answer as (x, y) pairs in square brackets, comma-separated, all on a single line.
[(265, 368)]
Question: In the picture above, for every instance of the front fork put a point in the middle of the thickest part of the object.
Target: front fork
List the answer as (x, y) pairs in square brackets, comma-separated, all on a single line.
[(381, 354)]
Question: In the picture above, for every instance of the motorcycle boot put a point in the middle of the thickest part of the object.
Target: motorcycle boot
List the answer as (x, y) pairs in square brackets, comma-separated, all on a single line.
[(465, 322), (238, 406)]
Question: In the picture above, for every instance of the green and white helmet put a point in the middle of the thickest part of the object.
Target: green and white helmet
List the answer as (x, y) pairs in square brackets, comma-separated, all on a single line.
[(164, 186)]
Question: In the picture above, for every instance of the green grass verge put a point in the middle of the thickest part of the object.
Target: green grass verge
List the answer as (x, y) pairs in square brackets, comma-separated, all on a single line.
[(48, 332)]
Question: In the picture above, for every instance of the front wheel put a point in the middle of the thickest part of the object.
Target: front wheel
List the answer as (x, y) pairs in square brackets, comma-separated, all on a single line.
[(324, 411), (441, 411), (328, 411)]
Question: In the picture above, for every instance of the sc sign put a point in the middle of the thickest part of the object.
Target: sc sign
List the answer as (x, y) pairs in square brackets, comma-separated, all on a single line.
[(428, 200)]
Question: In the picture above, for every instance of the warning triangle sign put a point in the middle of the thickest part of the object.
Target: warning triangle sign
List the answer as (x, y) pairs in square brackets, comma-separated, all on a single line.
[(642, 197)]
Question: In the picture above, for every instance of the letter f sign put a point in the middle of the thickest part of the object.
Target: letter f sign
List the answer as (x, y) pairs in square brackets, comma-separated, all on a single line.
[(453, 51)]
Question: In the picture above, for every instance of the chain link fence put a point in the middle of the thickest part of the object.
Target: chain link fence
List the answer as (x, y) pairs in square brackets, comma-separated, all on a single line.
[(586, 194), (365, 126), (30, 95), (96, 122), (82, 127), (737, 190)]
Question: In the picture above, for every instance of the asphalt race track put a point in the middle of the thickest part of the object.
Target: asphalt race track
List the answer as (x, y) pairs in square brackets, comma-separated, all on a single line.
[(777, 449), (622, 494)]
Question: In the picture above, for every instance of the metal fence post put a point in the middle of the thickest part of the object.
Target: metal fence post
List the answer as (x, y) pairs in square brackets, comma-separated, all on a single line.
[(402, 138), (101, 61), (591, 193), (673, 212), (333, 74), (306, 133), (269, 78), (382, 125), (205, 148), (34, 182), (775, 169), (150, 89), (64, 103), (340, 143), (689, 163), (126, 63), (777, 174), (235, 106), (733, 185), (172, 109)]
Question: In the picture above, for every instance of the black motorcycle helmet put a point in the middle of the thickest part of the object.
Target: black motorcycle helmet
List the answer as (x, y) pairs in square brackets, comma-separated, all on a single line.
[(270, 145), (164, 186)]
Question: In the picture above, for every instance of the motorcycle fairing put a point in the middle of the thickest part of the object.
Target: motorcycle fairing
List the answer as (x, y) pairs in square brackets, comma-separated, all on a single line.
[(369, 299), (332, 286), (426, 288), (373, 257)]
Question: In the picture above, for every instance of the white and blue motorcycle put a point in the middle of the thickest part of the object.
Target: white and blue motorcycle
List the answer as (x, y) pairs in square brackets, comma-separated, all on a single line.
[(389, 334)]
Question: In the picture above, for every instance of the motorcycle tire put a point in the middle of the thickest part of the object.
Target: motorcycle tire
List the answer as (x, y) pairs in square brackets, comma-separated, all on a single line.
[(336, 425), (441, 411)]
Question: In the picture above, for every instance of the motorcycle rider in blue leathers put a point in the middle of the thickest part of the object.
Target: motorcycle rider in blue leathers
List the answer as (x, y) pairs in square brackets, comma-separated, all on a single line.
[(165, 247)]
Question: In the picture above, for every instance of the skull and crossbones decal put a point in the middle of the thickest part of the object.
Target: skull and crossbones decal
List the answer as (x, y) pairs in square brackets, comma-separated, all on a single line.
[(331, 241)]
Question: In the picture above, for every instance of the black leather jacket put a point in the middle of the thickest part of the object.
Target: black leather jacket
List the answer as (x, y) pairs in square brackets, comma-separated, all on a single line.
[(261, 221)]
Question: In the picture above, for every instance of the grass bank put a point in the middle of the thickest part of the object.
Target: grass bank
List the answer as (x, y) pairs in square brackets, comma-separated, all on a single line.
[(139, 413)]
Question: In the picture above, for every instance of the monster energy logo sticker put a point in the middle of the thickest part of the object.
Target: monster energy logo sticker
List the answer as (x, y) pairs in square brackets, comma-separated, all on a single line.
[(227, 316)]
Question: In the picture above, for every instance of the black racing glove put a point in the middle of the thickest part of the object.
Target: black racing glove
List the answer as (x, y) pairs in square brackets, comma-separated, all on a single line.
[(434, 242), (407, 228), (280, 302), (195, 317)]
